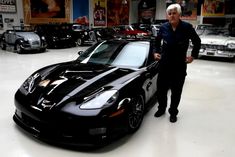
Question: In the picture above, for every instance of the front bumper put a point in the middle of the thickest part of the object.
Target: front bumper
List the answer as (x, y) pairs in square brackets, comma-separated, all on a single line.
[(28, 47), (216, 53), (70, 130)]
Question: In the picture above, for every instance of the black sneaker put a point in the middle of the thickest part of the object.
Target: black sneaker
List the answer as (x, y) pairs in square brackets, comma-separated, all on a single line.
[(159, 113), (173, 119)]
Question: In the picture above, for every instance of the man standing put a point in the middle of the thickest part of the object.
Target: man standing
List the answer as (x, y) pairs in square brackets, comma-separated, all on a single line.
[(171, 50)]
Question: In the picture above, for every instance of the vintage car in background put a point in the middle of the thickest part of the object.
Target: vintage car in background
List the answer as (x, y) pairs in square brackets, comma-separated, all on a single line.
[(23, 39), (217, 42), (81, 34), (129, 31), (90, 101), (56, 35), (104, 33)]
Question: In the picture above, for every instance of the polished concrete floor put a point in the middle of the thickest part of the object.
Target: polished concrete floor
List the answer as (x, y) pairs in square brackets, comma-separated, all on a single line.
[(205, 126)]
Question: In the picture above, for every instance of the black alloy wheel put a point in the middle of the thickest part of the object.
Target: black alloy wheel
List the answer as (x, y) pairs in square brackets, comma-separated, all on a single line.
[(136, 114)]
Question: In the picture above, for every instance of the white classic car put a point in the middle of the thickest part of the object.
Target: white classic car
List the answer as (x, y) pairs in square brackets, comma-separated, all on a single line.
[(217, 42)]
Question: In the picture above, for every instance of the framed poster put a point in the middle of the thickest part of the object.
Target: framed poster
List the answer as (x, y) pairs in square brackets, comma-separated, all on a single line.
[(146, 11), (81, 12), (213, 8), (1, 22), (99, 12), (46, 11), (8, 6), (117, 12)]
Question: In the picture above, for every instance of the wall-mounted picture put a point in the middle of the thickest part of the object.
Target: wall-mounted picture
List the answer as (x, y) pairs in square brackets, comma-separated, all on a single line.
[(8, 6), (81, 12), (146, 10), (46, 11), (99, 12), (213, 8), (1, 22), (117, 12)]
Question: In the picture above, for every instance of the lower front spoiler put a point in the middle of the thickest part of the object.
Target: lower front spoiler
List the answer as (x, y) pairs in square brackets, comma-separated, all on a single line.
[(61, 140), (58, 138)]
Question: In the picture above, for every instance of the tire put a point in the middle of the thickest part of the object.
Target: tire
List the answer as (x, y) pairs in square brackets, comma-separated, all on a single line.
[(79, 42), (18, 48), (3, 45), (136, 114), (43, 50)]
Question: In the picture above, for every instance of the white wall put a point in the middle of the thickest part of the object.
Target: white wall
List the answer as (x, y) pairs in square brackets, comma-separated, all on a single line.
[(15, 16)]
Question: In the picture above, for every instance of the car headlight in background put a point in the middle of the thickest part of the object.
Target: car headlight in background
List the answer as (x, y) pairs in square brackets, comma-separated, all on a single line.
[(99, 100), (142, 34), (55, 38), (231, 45), (43, 38)]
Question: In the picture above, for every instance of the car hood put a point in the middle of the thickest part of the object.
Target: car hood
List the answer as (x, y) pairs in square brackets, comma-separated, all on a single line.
[(29, 35), (75, 80), (216, 40)]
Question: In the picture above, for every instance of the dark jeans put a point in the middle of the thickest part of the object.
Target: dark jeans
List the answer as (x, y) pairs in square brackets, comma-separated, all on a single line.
[(166, 82)]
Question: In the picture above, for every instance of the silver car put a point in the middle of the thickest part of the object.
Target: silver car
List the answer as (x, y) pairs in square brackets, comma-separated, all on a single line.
[(217, 42), (22, 39)]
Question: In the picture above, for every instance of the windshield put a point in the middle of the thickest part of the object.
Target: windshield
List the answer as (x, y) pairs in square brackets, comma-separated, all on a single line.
[(200, 29), (125, 54), (217, 31)]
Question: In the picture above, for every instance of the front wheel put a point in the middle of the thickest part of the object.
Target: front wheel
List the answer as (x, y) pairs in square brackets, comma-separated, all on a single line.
[(79, 42), (18, 48), (136, 114)]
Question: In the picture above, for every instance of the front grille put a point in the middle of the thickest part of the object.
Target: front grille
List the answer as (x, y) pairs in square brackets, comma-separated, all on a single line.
[(215, 47), (34, 43)]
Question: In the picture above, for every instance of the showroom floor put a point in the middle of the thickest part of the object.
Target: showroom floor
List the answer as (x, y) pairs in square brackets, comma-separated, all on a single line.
[(205, 126)]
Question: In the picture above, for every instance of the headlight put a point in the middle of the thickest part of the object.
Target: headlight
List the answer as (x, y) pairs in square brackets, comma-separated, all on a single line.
[(26, 41), (100, 100), (142, 34), (29, 84), (231, 45), (55, 38), (43, 38)]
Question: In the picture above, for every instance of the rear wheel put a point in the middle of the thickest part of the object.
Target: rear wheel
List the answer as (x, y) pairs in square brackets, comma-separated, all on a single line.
[(3, 46), (136, 114)]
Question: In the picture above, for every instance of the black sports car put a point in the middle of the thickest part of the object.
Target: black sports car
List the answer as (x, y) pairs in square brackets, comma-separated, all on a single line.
[(91, 100)]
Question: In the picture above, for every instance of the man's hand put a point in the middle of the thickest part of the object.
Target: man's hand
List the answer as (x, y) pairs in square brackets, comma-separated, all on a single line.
[(189, 59), (157, 56)]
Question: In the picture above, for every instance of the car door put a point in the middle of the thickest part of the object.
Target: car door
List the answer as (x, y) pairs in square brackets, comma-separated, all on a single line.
[(150, 84)]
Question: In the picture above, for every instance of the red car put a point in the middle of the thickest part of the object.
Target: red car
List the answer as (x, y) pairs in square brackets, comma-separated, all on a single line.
[(131, 32)]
